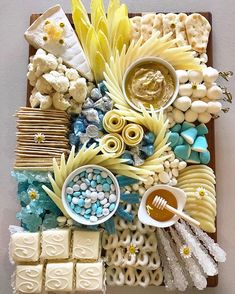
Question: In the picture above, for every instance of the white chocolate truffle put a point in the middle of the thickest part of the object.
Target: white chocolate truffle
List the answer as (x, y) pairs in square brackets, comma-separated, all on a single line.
[(210, 74), (204, 117), (195, 76), (203, 58), (214, 107), (182, 103), (182, 75), (199, 106), (190, 116), (164, 177), (214, 93), (185, 90), (86, 245), (178, 115), (200, 91)]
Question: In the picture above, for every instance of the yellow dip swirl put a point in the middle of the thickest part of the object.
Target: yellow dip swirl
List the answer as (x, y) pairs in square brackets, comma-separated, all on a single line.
[(150, 83)]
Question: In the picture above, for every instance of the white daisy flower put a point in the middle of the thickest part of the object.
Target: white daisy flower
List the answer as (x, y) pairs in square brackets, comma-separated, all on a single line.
[(201, 192), (185, 251)]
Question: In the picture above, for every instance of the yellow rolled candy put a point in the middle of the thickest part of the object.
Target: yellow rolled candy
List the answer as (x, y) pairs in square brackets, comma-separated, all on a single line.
[(113, 122), (132, 134), (112, 144)]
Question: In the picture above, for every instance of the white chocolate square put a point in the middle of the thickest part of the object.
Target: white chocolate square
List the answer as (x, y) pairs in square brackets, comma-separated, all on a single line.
[(89, 276), (86, 245), (55, 244), (59, 277), (25, 247), (29, 278)]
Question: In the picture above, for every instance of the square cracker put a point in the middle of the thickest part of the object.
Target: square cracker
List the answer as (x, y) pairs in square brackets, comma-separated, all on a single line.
[(181, 33), (158, 25), (147, 23), (169, 21)]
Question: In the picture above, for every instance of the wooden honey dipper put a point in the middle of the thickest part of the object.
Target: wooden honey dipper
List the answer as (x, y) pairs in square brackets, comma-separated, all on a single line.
[(161, 204)]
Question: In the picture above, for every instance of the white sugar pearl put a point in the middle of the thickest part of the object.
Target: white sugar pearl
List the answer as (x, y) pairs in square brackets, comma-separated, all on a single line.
[(76, 188), (135, 187), (101, 195), (83, 186), (107, 205), (76, 179), (167, 164), (75, 200), (94, 196), (112, 198), (182, 165), (173, 181), (175, 172), (182, 75), (164, 177), (99, 188), (69, 190), (93, 218), (104, 174), (159, 168), (87, 205), (105, 211), (104, 201)]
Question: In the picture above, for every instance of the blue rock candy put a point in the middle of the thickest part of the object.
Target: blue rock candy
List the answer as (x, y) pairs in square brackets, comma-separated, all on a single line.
[(176, 128), (95, 94), (173, 139), (79, 127), (73, 139), (182, 151), (194, 157), (205, 157), (148, 150), (181, 141), (202, 130), (200, 144), (126, 181), (103, 89), (130, 198), (187, 125), (149, 138), (128, 155), (189, 135)]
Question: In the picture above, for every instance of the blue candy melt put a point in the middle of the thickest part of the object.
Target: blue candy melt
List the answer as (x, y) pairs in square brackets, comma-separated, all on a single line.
[(187, 125), (148, 150), (173, 139), (182, 151), (189, 135), (200, 144), (205, 157), (202, 129), (130, 198), (176, 128), (194, 157), (126, 181)]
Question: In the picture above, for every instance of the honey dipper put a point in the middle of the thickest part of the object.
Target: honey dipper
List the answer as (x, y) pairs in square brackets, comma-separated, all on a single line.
[(161, 204)]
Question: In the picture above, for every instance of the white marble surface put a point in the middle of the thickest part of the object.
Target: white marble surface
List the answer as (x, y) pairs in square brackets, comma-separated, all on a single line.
[(14, 19)]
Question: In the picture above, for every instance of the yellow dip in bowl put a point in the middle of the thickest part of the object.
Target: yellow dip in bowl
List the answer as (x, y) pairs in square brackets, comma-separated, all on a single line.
[(150, 81)]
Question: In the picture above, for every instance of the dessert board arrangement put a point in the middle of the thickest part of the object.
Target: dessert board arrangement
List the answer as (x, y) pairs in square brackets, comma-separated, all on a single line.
[(115, 155)]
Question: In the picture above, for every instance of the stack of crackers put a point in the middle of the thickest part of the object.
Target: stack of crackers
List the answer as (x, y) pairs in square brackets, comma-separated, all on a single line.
[(42, 135), (193, 29)]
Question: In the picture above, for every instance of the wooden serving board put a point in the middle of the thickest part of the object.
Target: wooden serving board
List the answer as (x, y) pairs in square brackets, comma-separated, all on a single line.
[(212, 281)]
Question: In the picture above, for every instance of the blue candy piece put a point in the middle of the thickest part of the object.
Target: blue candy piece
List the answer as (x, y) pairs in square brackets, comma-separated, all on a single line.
[(126, 181), (205, 157), (189, 135), (194, 157), (88, 211), (87, 216), (124, 214), (96, 171), (112, 207), (148, 150), (72, 205), (200, 144), (93, 184), (103, 89), (98, 180), (202, 130), (106, 187), (181, 141), (76, 194), (79, 127), (94, 207), (69, 198), (187, 125), (176, 128), (109, 226), (95, 94), (73, 139), (109, 181), (128, 155), (77, 209), (130, 198), (149, 138), (173, 139), (182, 151), (99, 210), (81, 202)]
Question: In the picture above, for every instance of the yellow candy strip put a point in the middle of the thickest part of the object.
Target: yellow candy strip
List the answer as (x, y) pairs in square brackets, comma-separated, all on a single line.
[(113, 122), (112, 144), (132, 134)]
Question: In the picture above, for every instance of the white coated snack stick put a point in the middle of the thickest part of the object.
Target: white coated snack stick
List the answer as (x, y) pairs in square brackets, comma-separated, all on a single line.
[(69, 49)]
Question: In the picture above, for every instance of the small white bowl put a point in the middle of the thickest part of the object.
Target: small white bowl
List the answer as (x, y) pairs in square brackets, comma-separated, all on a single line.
[(159, 61), (146, 219), (78, 218)]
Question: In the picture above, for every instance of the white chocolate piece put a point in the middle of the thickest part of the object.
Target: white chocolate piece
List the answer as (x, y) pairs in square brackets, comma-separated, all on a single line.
[(182, 75), (70, 51), (86, 245), (204, 117), (214, 93), (185, 90), (29, 278), (199, 106), (190, 116), (25, 247), (55, 244), (178, 115), (195, 76), (183, 103), (203, 58), (210, 74), (89, 276), (59, 277), (200, 91), (214, 107)]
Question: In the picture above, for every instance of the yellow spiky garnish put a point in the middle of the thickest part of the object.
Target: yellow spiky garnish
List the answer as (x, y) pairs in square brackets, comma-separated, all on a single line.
[(103, 35), (87, 156), (180, 58)]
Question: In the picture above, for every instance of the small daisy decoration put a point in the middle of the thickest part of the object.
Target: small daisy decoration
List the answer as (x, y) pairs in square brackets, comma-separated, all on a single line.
[(201, 193), (33, 194), (132, 249), (185, 251), (39, 138)]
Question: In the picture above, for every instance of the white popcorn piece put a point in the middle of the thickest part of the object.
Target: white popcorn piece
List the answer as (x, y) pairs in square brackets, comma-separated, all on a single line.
[(25, 247), (29, 278), (89, 276), (59, 277), (86, 245), (55, 244)]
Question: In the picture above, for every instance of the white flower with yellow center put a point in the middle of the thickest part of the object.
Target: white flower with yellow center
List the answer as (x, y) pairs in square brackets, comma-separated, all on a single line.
[(39, 138), (132, 249), (33, 194), (185, 251), (201, 193)]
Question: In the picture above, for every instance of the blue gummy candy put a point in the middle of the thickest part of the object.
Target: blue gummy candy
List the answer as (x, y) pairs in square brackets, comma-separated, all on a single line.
[(189, 135), (182, 151), (194, 157), (200, 144), (173, 139), (187, 125), (205, 157), (148, 150), (126, 181), (202, 129), (176, 128), (130, 198)]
